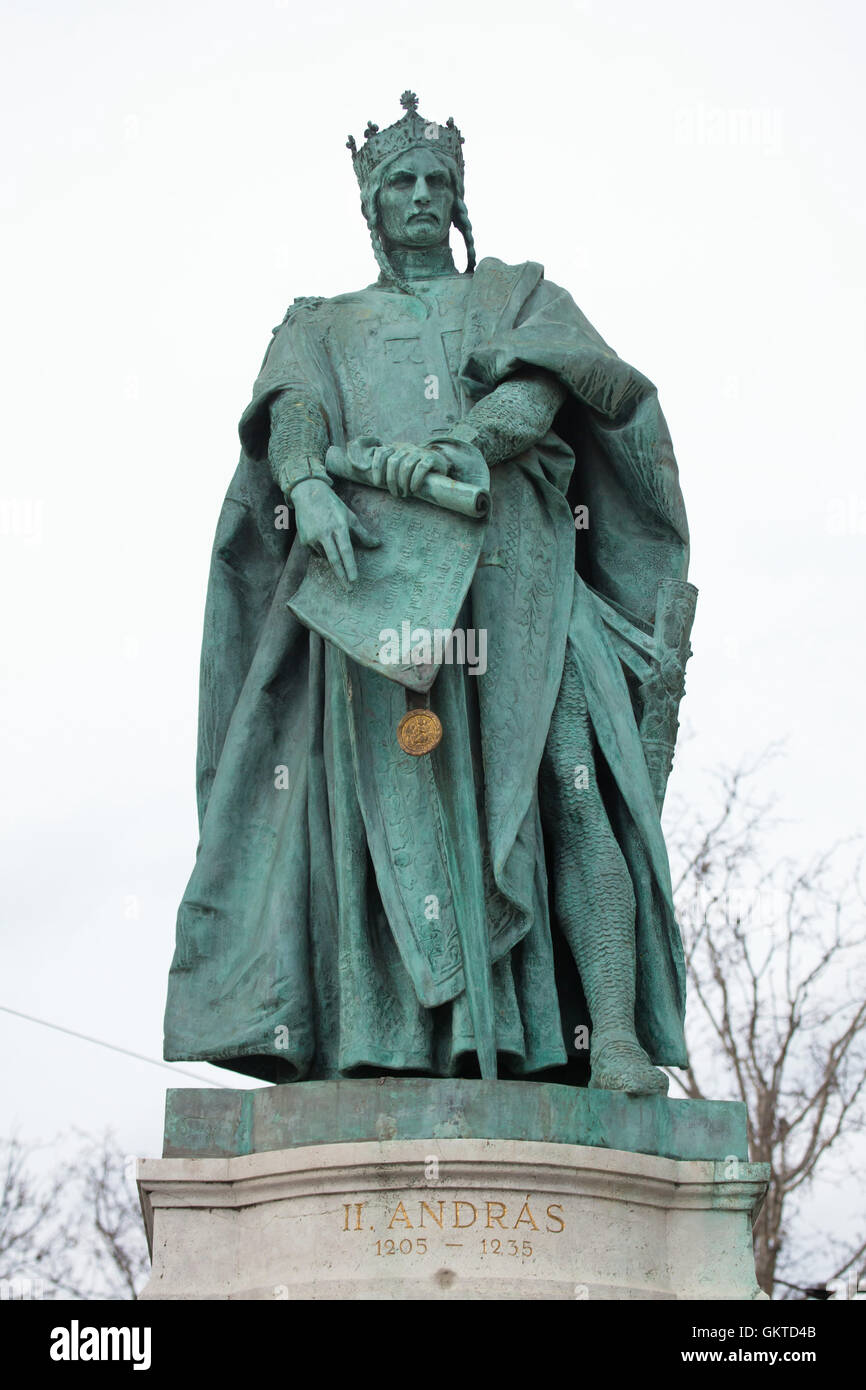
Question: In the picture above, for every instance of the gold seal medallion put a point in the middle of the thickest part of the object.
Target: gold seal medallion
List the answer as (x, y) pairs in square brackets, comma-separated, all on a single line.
[(419, 731)]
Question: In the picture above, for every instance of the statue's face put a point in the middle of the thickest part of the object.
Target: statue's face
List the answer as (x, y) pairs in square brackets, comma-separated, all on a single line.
[(416, 200)]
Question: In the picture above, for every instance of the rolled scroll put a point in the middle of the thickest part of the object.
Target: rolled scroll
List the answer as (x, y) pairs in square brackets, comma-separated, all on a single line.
[(437, 488)]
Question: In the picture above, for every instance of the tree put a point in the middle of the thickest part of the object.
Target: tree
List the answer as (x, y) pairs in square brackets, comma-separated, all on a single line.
[(777, 1009), (74, 1232), (36, 1244), (111, 1220)]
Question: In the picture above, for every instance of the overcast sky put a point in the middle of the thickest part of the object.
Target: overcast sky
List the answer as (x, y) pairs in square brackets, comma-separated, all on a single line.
[(174, 174)]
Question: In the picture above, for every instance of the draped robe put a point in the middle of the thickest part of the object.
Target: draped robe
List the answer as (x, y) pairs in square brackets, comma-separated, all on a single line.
[(319, 935)]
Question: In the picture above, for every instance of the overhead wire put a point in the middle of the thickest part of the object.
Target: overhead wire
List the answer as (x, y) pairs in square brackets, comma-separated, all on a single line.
[(113, 1047)]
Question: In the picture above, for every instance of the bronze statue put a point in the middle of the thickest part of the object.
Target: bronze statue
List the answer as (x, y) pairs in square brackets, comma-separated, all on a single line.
[(446, 630)]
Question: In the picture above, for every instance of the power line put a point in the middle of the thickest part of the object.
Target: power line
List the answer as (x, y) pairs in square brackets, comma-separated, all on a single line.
[(112, 1047)]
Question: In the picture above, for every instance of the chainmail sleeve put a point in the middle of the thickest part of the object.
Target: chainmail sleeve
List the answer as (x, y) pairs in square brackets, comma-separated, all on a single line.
[(298, 441), (513, 417)]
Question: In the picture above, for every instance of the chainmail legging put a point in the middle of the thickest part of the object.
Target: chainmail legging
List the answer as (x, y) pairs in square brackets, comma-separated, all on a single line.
[(592, 895)]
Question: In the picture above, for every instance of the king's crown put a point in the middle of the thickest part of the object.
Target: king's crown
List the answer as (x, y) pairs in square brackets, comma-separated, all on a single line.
[(410, 132)]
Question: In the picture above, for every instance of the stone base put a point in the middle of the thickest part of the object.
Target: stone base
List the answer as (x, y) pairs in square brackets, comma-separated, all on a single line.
[(449, 1217)]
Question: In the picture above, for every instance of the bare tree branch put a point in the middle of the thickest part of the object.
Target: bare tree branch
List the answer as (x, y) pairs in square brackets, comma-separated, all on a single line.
[(775, 972)]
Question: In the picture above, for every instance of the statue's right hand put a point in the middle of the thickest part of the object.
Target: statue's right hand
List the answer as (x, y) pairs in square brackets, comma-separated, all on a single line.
[(327, 526)]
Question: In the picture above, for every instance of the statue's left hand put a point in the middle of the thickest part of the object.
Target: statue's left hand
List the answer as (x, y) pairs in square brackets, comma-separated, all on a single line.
[(402, 468)]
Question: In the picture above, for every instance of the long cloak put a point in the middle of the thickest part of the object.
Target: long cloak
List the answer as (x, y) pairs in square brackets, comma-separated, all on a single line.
[(305, 943)]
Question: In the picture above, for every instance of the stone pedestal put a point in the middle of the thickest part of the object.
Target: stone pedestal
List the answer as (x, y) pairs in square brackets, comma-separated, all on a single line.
[(570, 1194)]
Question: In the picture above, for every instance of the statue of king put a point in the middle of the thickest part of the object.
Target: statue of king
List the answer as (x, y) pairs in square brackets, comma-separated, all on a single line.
[(445, 637)]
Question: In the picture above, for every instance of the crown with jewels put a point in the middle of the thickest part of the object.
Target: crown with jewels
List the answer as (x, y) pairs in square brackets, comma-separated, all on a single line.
[(410, 132)]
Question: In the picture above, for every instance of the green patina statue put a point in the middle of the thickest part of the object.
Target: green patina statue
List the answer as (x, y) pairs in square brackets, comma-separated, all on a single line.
[(446, 630)]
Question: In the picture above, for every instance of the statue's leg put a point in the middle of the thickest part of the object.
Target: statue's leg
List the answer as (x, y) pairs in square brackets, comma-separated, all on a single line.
[(593, 898)]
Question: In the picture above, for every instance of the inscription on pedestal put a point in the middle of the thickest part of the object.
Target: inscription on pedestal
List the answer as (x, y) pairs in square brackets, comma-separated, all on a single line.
[(475, 1218), (482, 1227)]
